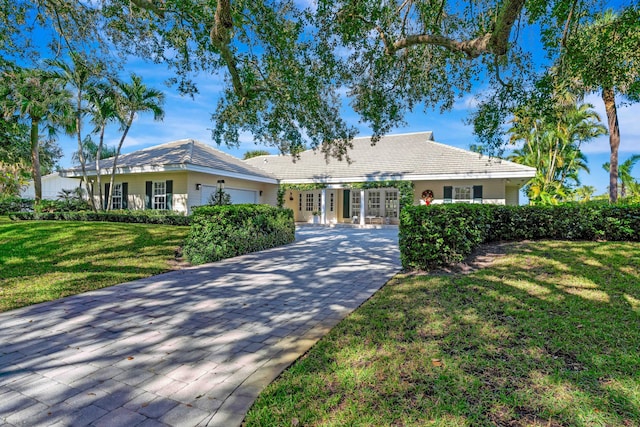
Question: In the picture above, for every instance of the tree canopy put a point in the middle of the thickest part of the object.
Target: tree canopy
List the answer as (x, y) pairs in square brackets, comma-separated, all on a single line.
[(287, 66)]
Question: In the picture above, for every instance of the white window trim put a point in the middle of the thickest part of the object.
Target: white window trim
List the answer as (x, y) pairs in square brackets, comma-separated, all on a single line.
[(454, 199), (116, 196), (159, 199)]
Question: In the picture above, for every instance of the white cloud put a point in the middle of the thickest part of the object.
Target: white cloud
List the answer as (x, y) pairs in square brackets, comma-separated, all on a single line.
[(468, 102)]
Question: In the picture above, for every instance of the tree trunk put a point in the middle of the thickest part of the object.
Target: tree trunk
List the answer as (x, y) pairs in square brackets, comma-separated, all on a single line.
[(609, 98), (115, 160), (35, 160), (98, 176), (83, 162)]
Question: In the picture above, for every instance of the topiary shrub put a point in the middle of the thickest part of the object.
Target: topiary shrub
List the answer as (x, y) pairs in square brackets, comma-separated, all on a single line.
[(219, 232), (436, 235)]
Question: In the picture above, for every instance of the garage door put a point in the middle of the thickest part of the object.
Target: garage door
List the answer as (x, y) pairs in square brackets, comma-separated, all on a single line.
[(242, 196), (237, 196)]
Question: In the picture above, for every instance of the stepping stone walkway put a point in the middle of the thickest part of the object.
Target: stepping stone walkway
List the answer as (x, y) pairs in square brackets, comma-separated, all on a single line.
[(192, 347)]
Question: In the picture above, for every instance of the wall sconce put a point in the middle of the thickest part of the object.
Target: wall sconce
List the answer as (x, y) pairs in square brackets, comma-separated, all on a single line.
[(260, 193), (221, 184), (291, 196), (198, 186)]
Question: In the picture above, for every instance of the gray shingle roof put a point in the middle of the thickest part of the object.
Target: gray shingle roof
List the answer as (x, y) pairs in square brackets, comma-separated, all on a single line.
[(185, 152), (406, 156)]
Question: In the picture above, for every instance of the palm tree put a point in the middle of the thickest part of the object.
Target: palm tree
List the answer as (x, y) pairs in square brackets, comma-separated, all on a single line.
[(552, 145), (624, 175), (90, 151), (39, 98), (102, 107), (133, 98), (79, 75), (603, 56), (585, 193)]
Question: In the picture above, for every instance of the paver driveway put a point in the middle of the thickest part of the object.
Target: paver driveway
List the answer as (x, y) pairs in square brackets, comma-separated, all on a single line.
[(189, 347)]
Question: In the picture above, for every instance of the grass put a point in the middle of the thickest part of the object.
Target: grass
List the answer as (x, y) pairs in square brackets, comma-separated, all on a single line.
[(549, 335), (45, 260)]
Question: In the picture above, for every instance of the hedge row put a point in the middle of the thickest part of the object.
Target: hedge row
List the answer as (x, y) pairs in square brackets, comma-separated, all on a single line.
[(433, 236), (138, 217), (219, 232), (16, 204)]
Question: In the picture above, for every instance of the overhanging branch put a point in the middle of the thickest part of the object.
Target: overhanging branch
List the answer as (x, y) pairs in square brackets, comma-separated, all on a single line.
[(495, 41)]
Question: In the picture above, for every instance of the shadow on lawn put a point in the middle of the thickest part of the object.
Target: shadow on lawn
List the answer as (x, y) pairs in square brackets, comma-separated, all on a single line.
[(77, 257), (175, 346), (545, 337)]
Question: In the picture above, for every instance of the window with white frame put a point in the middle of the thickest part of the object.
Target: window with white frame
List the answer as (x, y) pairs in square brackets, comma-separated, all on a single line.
[(391, 203), (300, 202), (159, 195), (462, 194), (355, 203), (309, 202), (373, 203), (331, 202), (116, 196)]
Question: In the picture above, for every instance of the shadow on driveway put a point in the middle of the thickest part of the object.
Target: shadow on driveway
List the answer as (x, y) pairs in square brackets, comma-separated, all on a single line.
[(188, 347)]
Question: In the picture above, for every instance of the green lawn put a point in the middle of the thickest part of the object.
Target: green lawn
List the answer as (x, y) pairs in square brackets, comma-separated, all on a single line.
[(549, 335), (45, 260)]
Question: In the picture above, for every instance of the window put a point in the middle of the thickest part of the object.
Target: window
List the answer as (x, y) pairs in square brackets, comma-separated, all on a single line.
[(116, 197), (355, 203), (462, 194), (300, 202), (391, 204), (319, 203), (159, 195), (309, 202), (373, 203), (331, 202)]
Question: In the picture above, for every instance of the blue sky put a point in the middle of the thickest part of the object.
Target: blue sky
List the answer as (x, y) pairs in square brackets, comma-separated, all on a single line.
[(190, 118)]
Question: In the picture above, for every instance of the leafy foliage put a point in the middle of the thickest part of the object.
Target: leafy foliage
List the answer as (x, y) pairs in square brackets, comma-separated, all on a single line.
[(286, 66), (551, 141), (433, 236), (12, 179), (28, 206), (602, 56), (255, 153), (219, 232), (628, 185), (54, 212)]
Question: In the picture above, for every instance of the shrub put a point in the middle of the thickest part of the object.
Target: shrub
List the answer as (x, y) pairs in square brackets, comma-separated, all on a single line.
[(219, 232), (432, 236), (138, 217), (15, 204)]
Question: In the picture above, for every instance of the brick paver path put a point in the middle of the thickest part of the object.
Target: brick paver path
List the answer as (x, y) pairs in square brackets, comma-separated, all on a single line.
[(187, 348)]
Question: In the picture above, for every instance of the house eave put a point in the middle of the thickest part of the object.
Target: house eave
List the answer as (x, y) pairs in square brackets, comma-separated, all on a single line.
[(413, 177), (172, 168)]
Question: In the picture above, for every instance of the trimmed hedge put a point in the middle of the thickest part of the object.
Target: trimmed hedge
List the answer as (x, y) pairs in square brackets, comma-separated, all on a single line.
[(16, 204), (436, 235), (137, 217), (219, 232)]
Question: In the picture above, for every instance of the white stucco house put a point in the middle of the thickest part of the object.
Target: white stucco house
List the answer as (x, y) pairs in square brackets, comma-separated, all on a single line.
[(178, 176), (368, 189), (350, 193)]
